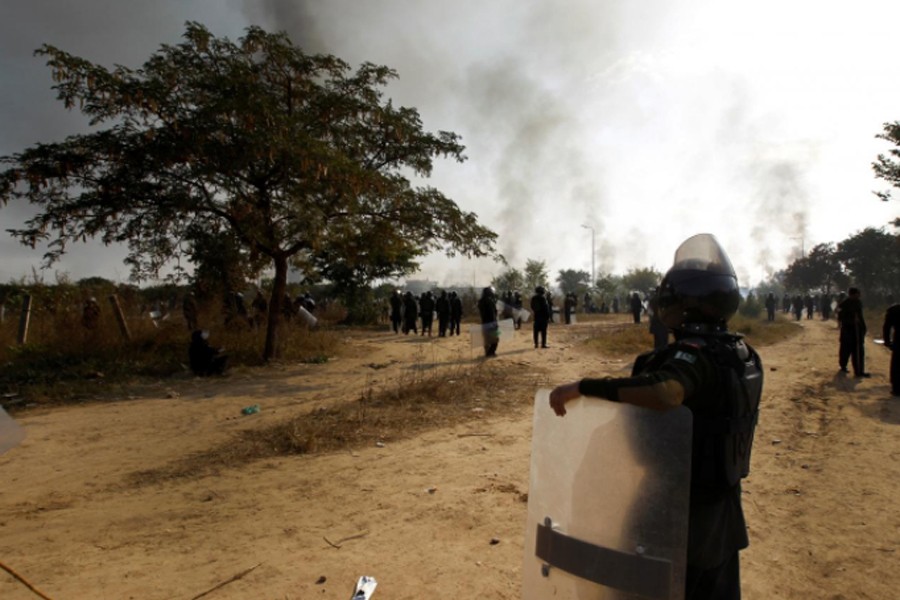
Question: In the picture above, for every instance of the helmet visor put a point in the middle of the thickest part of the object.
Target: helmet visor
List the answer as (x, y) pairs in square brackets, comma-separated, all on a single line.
[(702, 252)]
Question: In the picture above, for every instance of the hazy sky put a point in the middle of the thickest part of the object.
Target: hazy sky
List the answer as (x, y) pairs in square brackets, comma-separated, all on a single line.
[(649, 121)]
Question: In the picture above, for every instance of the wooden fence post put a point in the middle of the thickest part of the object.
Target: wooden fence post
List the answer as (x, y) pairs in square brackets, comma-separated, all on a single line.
[(24, 320), (120, 317)]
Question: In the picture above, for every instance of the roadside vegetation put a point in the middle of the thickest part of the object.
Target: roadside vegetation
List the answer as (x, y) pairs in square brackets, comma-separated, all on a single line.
[(63, 362), (629, 340)]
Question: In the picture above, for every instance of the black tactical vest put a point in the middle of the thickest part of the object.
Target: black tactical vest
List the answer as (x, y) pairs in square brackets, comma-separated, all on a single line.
[(724, 422)]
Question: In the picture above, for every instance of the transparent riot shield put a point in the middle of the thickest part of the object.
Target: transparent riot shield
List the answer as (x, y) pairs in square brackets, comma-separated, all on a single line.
[(508, 311), (307, 317), (607, 502), (11, 435), (481, 335), (504, 310)]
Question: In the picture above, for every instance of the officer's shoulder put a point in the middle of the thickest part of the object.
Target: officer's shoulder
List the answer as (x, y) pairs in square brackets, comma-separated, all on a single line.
[(691, 343), (727, 344), (687, 350)]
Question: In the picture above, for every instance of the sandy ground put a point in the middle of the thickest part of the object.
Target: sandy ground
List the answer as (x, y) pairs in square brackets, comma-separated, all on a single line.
[(440, 515)]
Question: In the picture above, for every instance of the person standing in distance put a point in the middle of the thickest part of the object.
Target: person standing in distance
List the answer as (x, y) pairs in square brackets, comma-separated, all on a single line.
[(426, 311), (716, 375), (410, 313), (853, 331), (396, 310), (490, 329), (890, 331), (770, 306), (456, 313), (637, 307), (540, 308), (442, 307)]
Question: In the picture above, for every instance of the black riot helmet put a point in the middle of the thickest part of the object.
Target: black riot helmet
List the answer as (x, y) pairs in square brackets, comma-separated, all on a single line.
[(700, 292)]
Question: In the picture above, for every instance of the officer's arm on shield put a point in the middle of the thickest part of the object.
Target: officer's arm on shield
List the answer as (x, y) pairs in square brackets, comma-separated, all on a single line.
[(659, 395), (664, 389)]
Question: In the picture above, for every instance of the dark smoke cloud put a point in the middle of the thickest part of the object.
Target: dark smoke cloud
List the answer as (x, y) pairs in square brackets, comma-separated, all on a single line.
[(648, 121), (501, 75)]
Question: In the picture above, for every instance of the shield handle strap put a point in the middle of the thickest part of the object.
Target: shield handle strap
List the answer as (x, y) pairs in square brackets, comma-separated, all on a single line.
[(632, 573)]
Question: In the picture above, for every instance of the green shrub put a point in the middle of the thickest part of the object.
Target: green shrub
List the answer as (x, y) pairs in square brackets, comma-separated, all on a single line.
[(751, 307)]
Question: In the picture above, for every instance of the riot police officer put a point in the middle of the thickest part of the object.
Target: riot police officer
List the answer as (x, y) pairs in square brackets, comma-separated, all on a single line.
[(442, 307), (426, 311), (716, 375), (456, 312), (637, 307), (540, 308), (410, 313), (892, 325), (853, 333), (487, 309), (396, 310), (204, 359), (770, 306)]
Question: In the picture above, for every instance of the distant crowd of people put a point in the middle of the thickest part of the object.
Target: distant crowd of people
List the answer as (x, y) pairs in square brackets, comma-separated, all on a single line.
[(409, 313), (799, 304)]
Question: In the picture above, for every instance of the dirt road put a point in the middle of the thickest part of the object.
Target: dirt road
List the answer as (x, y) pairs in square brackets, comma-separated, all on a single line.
[(440, 515)]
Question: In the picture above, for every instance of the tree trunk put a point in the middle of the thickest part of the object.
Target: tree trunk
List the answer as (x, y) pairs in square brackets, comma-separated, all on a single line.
[(275, 304)]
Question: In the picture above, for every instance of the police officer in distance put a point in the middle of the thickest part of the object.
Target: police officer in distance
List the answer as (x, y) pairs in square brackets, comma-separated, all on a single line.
[(853, 332), (426, 311), (542, 312), (456, 313), (716, 375), (442, 307), (892, 325), (396, 310), (410, 313), (487, 309)]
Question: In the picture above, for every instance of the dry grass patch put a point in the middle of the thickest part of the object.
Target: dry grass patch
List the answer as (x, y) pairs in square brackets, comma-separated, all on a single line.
[(416, 404), (631, 339), (618, 340), (69, 365), (760, 332)]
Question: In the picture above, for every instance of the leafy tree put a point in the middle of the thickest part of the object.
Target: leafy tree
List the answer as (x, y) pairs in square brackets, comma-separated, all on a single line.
[(221, 263), (798, 276), (821, 270), (385, 290), (608, 285), (872, 258), (774, 284), (353, 265), (293, 154), (751, 306), (536, 274), (96, 282), (642, 280), (887, 167), (572, 281), (509, 280)]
